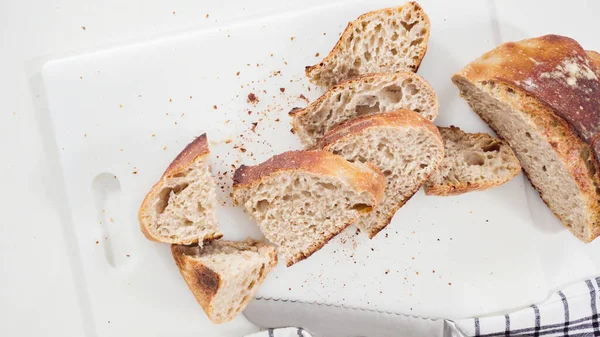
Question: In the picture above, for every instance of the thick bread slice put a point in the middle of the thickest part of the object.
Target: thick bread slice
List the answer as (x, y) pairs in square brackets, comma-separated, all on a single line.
[(406, 147), (542, 96), (362, 96), (473, 162), (224, 275), (301, 199), (382, 41), (181, 207)]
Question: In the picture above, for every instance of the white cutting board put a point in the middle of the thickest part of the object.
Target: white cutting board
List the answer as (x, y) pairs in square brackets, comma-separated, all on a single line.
[(120, 115)]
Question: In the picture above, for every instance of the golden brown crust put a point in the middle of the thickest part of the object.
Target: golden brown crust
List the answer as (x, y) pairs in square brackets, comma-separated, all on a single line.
[(202, 281), (194, 151), (398, 118), (594, 56), (350, 29), (525, 73), (205, 283), (462, 186), (316, 162)]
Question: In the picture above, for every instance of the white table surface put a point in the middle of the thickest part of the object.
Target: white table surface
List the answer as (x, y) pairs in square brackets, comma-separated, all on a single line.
[(36, 283)]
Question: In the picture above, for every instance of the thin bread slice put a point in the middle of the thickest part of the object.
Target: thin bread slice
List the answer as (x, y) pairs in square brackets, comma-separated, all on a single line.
[(224, 275), (364, 95), (473, 162), (406, 147), (301, 199), (594, 56), (542, 96), (382, 41), (181, 208)]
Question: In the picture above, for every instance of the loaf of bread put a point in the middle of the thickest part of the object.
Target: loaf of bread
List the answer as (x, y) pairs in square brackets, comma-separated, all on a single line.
[(360, 96), (383, 41), (405, 146), (181, 207), (224, 275), (301, 199), (473, 162), (542, 96)]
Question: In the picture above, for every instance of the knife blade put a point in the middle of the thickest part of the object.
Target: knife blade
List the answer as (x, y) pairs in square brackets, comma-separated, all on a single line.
[(325, 320)]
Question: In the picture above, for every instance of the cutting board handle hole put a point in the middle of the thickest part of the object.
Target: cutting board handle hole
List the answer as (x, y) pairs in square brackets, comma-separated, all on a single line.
[(115, 241)]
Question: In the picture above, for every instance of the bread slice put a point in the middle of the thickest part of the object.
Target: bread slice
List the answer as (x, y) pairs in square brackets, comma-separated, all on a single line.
[(542, 96), (301, 199), (473, 162), (364, 95), (405, 146), (181, 207), (224, 275), (382, 41)]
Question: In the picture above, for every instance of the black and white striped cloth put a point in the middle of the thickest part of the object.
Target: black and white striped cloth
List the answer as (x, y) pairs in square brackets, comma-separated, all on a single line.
[(571, 312)]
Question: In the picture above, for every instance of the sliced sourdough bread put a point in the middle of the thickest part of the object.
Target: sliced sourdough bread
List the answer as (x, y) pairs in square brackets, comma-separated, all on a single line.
[(473, 162), (364, 95), (181, 207), (406, 147), (224, 275), (301, 199), (382, 41), (542, 96)]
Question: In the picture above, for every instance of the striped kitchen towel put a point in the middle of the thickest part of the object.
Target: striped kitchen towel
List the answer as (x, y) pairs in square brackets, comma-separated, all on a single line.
[(571, 312)]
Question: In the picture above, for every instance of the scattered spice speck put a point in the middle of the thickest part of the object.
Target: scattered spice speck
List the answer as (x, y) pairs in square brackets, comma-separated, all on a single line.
[(97, 242), (190, 96), (134, 172), (215, 107), (127, 255), (292, 38), (237, 74), (164, 148), (83, 27), (282, 89), (120, 105), (277, 119), (154, 135), (317, 55), (170, 100), (254, 124), (207, 16), (228, 141)]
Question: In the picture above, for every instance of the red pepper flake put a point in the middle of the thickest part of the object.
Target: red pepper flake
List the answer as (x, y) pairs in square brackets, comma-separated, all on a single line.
[(252, 98), (242, 149), (317, 55), (254, 127), (303, 97), (282, 89), (215, 107), (249, 112)]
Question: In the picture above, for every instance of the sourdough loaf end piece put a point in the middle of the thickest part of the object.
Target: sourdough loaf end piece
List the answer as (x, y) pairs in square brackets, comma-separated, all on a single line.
[(405, 146), (360, 96), (301, 199), (181, 207), (473, 162), (542, 96), (382, 41), (224, 275)]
